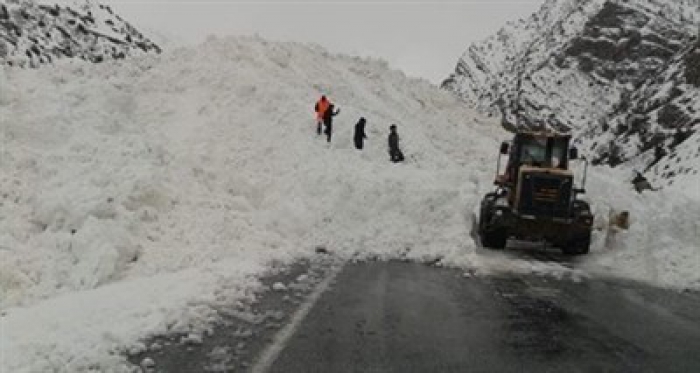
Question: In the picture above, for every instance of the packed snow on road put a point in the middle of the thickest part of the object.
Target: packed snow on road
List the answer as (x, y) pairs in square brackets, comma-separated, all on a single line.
[(139, 195)]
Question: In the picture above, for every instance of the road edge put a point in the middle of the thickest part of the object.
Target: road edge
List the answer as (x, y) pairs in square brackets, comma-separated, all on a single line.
[(268, 357)]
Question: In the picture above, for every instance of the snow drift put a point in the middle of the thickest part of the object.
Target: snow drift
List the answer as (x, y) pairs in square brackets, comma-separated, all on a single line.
[(139, 195)]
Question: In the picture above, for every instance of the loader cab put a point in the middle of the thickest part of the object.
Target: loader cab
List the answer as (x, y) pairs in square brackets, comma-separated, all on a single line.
[(538, 150)]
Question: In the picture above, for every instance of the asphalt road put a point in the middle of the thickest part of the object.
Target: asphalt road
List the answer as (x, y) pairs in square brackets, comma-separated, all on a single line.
[(403, 317)]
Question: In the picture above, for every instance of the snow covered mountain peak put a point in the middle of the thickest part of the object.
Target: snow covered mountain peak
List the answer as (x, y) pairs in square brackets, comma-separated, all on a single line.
[(34, 32)]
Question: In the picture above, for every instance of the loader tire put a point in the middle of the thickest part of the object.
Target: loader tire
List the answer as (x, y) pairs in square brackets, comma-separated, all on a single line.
[(580, 246), (494, 239)]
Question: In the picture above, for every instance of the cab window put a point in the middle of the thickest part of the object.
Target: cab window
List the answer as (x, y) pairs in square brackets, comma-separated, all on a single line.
[(533, 152), (543, 152)]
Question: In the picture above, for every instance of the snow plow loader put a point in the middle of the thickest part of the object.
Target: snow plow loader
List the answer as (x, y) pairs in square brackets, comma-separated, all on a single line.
[(535, 198)]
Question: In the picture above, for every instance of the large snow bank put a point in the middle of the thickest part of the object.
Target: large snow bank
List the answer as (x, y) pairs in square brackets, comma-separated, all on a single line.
[(137, 195), (199, 165), (661, 247)]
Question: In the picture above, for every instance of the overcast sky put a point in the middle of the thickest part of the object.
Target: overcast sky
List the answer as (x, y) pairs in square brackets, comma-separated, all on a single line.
[(423, 38)]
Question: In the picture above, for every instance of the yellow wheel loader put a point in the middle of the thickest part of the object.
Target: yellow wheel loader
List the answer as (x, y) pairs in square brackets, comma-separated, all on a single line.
[(535, 198)]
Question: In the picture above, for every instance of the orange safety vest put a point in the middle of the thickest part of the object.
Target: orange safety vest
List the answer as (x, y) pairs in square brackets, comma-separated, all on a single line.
[(321, 107)]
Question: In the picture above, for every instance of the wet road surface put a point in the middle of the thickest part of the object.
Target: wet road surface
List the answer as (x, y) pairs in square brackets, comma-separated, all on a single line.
[(242, 332), (403, 317)]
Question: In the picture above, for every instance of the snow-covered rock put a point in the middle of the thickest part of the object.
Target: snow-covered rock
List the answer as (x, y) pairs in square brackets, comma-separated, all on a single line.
[(569, 64), (148, 363), (278, 286), (656, 127), (36, 32), (192, 339)]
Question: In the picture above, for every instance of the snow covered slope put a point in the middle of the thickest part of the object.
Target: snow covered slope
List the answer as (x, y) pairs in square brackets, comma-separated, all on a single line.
[(600, 69), (568, 65), (36, 32), (656, 127), (223, 131), (137, 193), (139, 196)]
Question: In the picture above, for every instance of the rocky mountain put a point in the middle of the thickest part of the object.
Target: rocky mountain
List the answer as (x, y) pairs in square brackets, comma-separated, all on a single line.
[(34, 32), (656, 127), (619, 74)]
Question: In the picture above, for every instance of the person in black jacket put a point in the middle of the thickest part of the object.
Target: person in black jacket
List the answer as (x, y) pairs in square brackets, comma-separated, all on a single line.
[(328, 120), (394, 152), (360, 135)]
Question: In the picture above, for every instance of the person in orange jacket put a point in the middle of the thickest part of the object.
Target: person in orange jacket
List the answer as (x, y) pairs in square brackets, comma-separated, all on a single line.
[(321, 106)]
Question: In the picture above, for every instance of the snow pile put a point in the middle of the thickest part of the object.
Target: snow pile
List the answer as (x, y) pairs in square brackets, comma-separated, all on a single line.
[(174, 162), (198, 166), (662, 245), (141, 196)]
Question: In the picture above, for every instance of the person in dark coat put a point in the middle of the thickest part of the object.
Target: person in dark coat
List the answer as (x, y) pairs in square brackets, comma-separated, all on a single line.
[(394, 152), (360, 135), (328, 120), (641, 183)]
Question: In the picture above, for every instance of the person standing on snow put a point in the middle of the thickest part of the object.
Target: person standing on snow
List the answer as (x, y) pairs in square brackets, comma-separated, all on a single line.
[(320, 108), (641, 183), (360, 135), (394, 152), (328, 119)]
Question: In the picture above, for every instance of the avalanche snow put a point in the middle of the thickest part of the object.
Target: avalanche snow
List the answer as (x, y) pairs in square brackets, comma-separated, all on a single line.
[(138, 194)]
